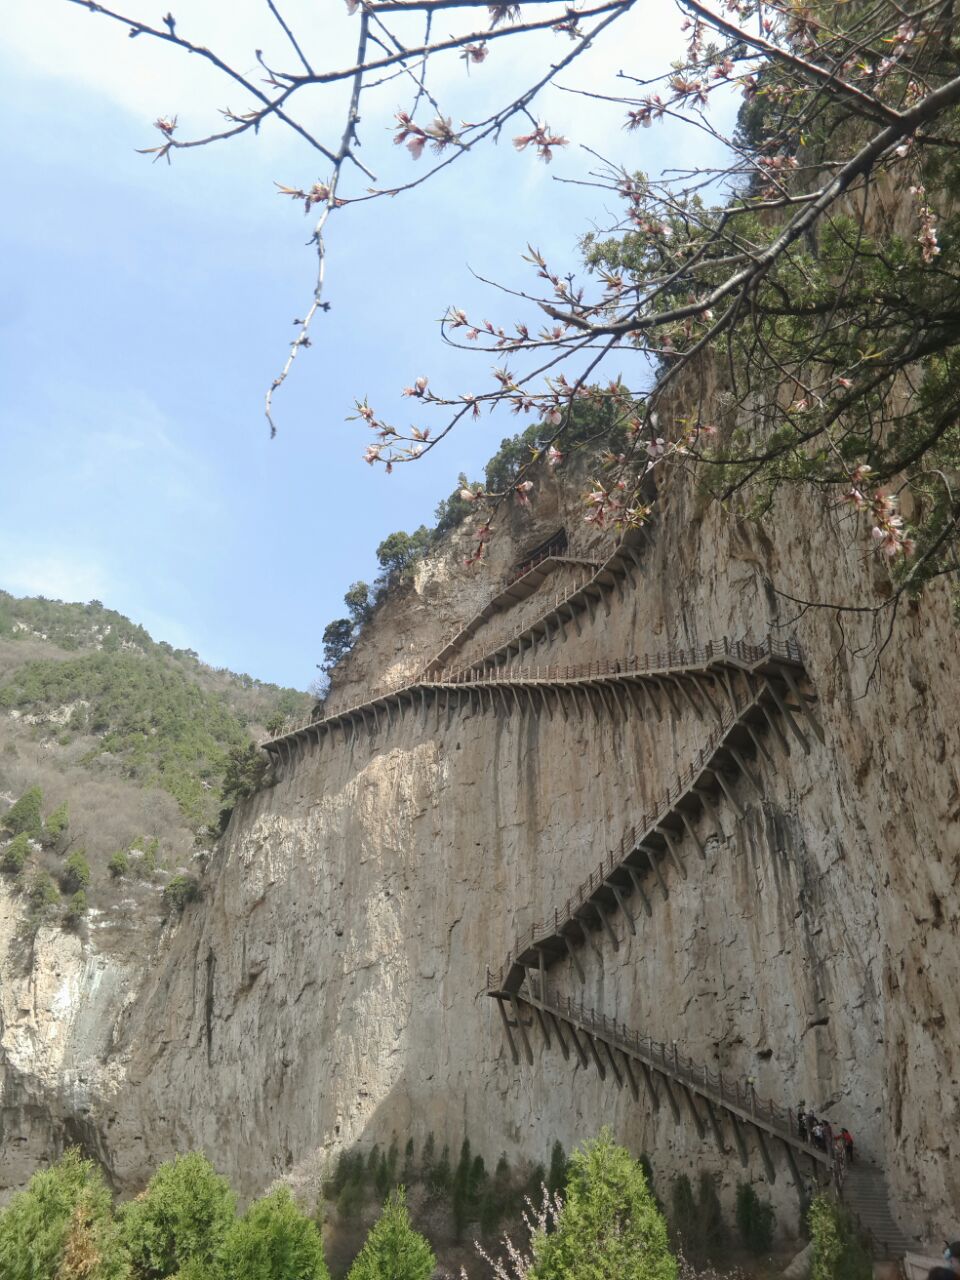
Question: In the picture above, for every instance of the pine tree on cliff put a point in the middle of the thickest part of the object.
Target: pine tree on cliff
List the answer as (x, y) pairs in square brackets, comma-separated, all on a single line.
[(609, 1226), (393, 1250)]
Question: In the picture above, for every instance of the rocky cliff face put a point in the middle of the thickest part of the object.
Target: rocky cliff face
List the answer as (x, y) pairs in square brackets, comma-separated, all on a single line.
[(325, 991)]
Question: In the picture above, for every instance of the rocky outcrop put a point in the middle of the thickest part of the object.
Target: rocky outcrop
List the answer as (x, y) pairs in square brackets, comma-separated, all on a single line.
[(326, 990)]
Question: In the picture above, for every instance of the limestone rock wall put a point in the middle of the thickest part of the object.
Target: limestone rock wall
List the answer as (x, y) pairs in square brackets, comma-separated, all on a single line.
[(325, 991)]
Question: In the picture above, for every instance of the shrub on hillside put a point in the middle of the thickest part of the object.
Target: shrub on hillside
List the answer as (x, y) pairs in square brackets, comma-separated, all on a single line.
[(15, 855), (75, 910), (181, 890), (393, 1250), (42, 894), (119, 863), (75, 875), (25, 815), (183, 1216), (755, 1219), (61, 1227), (609, 1224), (55, 827), (837, 1251)]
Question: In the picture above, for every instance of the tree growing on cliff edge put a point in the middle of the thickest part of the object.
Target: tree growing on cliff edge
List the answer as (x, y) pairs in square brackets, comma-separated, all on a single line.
[(789, 316)]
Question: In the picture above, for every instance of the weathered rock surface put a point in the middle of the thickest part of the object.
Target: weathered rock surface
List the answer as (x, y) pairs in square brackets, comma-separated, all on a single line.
[(325, 990)]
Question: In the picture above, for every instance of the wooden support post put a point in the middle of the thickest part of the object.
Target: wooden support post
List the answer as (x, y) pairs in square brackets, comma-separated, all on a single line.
[(631, 1078), (759, 744), (558, 1028), (597, 1060), (546, 701), (703, 685), (745, 769), (614, 1067), (671, 1097), (730, 691), (803, 702), (602, 694), (622, 905), (792, 1162), (638, 885), (655, 863), (765, 1153), (584, 1060), (787, 714), (635, 697), (727, 789), (562, 694), (695, 1114), (543, 1024), (574, 619), (715, 1126), (617, 692), (574, 957), (503, 698), (651, 1088), (506, 1026), (605, 920), (589, 599), (663, 684), (681, 685), (711, 809), (739, 1139), (518, 1015), (674, 851), (692, 832), (774, 724)]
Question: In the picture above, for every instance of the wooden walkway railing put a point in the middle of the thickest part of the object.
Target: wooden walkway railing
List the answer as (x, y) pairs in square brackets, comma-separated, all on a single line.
[(615, 682), (667, 1075)]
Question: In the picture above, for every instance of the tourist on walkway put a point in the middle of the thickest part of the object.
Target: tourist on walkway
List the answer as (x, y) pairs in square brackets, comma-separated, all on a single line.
[(952, 1257), (847, 1137)]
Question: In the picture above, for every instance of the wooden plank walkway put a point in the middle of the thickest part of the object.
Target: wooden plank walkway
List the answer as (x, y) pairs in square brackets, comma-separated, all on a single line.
[(569, 608), (643, 1065), (766, 701), (517, 589), (699, 679)]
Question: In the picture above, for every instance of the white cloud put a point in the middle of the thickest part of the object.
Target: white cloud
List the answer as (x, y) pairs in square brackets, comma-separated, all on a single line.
[(57, 575)]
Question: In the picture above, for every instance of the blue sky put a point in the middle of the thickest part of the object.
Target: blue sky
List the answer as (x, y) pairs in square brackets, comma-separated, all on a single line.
[(144, 309)]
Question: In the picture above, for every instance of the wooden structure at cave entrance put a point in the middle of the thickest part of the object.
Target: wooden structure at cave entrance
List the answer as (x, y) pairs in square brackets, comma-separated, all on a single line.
[(668, 1077)]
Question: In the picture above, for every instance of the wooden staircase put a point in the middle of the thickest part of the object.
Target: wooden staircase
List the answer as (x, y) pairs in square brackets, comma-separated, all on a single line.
[(705, 1097), (763, 701)]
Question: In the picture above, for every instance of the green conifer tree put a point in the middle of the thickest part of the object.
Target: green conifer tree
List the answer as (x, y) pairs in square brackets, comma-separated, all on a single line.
[(15, 855), (393, 1250), (274, 1240), (609, 1225), (26, 815)]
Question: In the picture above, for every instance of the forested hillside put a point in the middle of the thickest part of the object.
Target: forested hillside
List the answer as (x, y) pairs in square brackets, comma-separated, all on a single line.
[(127, 738)]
